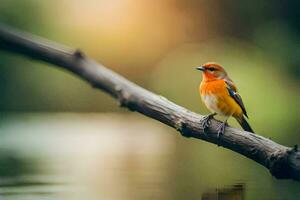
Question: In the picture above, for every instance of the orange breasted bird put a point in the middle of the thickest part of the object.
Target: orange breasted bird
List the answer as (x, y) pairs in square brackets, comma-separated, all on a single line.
[(220, 96)]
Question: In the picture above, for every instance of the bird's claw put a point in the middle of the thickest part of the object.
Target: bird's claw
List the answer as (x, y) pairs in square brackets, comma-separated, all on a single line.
[(221, 129), (205, 122)]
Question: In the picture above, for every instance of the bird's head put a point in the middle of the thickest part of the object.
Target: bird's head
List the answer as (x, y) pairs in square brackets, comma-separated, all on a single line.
[(212, 71)]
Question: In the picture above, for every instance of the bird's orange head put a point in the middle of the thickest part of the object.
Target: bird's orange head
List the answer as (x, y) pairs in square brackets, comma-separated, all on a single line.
[(212, 71)]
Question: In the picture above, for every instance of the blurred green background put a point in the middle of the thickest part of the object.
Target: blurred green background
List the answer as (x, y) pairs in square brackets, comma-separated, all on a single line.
[(49, 118)]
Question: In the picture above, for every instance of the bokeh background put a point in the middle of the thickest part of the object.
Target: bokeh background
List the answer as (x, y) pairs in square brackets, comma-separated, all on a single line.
[(61, 139)]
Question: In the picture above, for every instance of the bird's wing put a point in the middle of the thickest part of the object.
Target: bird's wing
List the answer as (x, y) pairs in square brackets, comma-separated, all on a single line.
[(233, 93)]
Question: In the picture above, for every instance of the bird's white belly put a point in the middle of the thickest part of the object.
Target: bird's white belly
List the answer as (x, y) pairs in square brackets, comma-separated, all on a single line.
[(211, 102)]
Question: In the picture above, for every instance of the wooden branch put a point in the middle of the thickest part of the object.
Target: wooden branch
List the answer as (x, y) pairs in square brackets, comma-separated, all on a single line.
[(283, 162)]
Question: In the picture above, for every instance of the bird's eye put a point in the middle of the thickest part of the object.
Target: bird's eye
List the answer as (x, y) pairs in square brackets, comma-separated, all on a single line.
[(212, 69)]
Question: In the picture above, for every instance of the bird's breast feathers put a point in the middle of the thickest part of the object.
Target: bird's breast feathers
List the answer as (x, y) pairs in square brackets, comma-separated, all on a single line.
[(212, 103), (213, 87), (217, 99)]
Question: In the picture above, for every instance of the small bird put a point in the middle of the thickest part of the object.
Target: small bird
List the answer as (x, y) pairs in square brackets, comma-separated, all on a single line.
[(220, 96)]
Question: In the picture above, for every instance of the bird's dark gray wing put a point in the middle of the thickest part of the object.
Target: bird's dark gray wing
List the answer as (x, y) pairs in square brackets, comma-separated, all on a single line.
[(233, 93)]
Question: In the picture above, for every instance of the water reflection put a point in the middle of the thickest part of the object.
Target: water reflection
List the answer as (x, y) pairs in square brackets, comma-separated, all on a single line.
[(21, 177), (74, 157), (236, 192), (13, 165), (121, 156)]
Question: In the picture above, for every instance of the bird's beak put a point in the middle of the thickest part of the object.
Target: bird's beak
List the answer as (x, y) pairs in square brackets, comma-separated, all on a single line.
[(200, 68)]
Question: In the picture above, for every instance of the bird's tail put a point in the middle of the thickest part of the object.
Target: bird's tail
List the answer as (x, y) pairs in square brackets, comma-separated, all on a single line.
[(243, 122)]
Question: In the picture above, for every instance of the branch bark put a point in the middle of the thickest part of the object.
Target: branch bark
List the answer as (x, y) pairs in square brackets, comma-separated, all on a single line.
[(283, 162)]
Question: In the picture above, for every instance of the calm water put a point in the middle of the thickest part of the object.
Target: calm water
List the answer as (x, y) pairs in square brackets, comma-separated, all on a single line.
[(122, 156)]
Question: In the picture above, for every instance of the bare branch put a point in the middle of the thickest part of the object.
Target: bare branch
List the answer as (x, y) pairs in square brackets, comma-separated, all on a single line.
[(283, 162)]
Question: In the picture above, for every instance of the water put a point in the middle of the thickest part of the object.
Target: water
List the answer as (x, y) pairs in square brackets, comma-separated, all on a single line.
[(122, 156)]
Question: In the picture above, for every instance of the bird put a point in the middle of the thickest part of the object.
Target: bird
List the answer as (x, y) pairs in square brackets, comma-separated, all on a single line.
[(220, 96)]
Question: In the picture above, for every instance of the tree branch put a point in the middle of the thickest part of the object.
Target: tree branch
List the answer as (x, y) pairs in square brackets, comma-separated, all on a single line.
[(283, 162)]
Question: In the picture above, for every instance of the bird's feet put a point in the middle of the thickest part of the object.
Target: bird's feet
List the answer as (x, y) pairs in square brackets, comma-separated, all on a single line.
[(221, 128), (205, 122)]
